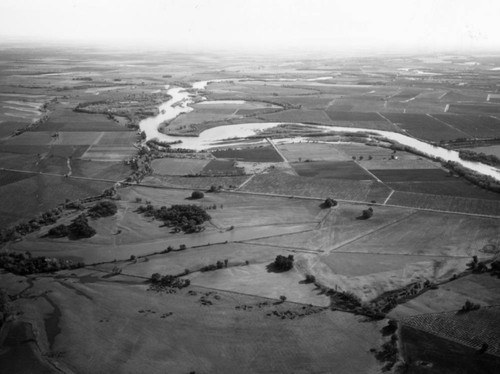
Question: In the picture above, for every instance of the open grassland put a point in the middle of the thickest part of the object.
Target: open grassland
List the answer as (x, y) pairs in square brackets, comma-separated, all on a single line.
[(178, 166), (332, 170), (446, 203), (178, 334), (339, 227), (256, 280), (28, 197), (194, 259), (445, 235), (359, 264), (234, 218)]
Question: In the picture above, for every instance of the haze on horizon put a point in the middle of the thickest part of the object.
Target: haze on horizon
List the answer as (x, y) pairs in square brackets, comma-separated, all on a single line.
[(326, 25)]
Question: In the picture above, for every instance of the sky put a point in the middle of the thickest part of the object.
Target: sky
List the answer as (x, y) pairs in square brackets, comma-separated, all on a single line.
[(330, 25)]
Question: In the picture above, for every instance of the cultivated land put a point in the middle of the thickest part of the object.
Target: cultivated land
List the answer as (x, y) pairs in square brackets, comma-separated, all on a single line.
[(69, 131)]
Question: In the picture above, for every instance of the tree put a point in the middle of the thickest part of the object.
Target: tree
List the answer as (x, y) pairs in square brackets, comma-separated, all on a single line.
[(155, 278), (310, 278), (197, 195), (80, 227), (283, 298), (367, 213), (103, 209), (282, 263), (329, 202), (59, 231)]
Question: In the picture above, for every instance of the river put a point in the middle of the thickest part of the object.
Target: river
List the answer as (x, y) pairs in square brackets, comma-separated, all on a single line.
[(181, 100)]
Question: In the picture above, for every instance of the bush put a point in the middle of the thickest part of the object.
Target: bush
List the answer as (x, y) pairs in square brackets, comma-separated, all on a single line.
[(197, 195), (103, 209)]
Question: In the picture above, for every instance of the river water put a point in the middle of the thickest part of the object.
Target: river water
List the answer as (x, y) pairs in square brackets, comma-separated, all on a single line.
[(181, 100)]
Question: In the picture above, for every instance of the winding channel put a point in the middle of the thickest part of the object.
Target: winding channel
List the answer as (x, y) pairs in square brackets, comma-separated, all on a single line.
[(181, 100)]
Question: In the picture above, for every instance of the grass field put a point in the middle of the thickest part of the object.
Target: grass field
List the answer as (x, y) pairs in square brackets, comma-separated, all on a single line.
[(332, 170)]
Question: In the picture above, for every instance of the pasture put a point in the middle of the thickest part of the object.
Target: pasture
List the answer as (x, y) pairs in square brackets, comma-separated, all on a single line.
[(201, 338)]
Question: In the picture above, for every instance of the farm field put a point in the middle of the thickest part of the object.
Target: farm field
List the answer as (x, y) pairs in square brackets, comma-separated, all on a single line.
[(489, 150), (178, 166), (475, 126), (452, 187), (260, 154), (490, 207), (332, 170), (422, 348), (342, 189), (425, 127), (297, 152), (244, 309)]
